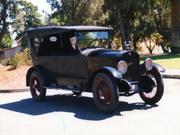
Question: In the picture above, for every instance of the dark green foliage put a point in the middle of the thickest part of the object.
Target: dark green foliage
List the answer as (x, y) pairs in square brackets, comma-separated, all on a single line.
[(27, 17), (76, 12), (137, 19), (8, 10), (19, 15), (6, 41), (132, 20)]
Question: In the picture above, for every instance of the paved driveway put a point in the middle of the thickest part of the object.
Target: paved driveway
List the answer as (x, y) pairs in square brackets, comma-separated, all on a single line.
[(67, 115)]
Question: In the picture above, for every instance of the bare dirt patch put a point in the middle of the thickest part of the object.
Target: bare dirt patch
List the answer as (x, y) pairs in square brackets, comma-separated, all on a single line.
[(13, 79)]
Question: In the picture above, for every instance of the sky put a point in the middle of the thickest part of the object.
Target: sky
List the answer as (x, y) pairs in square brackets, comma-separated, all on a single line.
[(42, 5)]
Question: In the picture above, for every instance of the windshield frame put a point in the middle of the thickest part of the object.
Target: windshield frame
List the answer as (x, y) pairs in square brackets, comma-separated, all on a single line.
[(108, 46)]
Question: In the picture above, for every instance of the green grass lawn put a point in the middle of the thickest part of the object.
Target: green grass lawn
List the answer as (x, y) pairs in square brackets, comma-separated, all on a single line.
[(168, 61)]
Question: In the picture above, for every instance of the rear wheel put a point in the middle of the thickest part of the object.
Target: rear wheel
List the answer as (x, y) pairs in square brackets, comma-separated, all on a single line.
[(105, 93), (153, 93), (36, 86)]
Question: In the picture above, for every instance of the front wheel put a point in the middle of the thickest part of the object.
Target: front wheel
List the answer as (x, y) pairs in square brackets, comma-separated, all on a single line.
[(36, 86), (153, 87), (105, 93)]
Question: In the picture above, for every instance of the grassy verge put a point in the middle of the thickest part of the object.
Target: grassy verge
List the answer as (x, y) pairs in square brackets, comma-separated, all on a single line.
[(168, 61)]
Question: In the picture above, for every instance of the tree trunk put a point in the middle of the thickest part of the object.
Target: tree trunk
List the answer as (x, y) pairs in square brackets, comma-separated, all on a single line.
[(120, 25), (175, 18), (3, 19), (134, 42)]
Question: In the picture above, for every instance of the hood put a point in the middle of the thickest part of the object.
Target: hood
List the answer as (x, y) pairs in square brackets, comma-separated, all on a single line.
[(100, 52)]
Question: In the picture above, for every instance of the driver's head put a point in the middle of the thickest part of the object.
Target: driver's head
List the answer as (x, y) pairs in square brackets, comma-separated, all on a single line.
[(73, 41)]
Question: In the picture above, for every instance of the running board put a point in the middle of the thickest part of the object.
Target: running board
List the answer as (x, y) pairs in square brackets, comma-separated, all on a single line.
[(63, 87)]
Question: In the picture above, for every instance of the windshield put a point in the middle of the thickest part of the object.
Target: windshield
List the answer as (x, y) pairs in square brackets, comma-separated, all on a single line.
[(95, 39)]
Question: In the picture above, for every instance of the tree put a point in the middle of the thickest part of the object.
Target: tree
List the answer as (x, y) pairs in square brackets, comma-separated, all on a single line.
[(156, 20), (18, 15), (8, 10), (73, 12), (175, 18), (123, 14), (6, 41), (135, 19), (27, 16), (158, 13), (153, 40)]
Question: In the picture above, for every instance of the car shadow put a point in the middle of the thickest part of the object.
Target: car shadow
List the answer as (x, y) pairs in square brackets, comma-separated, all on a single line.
[(82, 107)]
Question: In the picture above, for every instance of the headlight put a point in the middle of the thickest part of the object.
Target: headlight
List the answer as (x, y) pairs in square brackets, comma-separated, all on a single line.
[(122, 67), (148, 64)]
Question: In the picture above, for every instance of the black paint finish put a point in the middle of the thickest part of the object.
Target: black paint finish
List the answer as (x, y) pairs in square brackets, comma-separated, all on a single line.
[(77, 67)]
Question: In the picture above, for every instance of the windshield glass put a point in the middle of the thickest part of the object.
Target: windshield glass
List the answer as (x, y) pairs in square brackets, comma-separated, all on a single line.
[(95, 39)]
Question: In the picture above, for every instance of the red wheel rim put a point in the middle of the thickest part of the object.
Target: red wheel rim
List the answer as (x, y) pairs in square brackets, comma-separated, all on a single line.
[(153, 91), (36, 86), (151, 94), (103, 92)]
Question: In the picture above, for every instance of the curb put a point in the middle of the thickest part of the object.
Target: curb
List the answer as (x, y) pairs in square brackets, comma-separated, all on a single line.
[(171, 76), (13, 90)]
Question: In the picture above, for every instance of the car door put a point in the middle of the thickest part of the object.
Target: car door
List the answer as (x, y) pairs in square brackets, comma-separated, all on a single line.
[(72, 66), (66, 65), (66, 60), (72, 69), (81, 67), (69, 61)]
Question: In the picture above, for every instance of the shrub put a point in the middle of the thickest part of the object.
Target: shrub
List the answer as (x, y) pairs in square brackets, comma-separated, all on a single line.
[(6, 41), (19, 59), (22, 58), (5, 62)]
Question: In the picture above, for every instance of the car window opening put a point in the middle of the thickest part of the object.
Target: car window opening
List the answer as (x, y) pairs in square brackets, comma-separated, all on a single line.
[(94, 39), (55, 44)]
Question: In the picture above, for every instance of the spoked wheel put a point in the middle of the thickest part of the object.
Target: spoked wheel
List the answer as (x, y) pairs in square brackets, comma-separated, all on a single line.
[(36, 87), (153, 88), (105, 93)]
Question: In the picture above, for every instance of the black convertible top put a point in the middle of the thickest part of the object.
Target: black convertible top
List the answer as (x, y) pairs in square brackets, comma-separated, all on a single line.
[(46, 30)]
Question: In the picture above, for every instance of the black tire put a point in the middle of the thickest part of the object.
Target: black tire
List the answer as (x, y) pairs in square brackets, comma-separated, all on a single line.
[(36, 86), (105, 93), (156, 92)]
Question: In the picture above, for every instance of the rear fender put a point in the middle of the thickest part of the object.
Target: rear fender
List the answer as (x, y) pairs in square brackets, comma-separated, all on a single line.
[(29, 72)]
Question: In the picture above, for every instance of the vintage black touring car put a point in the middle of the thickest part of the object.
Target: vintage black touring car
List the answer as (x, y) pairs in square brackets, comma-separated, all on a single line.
[(81, 59)]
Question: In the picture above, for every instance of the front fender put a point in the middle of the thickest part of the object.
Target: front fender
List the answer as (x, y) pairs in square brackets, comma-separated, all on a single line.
[(155, 65), (159, 67), (107, 70), (112, 71)]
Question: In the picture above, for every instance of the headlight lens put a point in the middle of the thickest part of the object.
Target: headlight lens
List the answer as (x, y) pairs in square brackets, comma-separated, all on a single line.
[(122, 67), (148, 64)]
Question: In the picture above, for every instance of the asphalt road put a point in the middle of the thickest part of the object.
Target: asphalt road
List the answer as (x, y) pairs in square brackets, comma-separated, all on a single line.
[(68, 115)]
